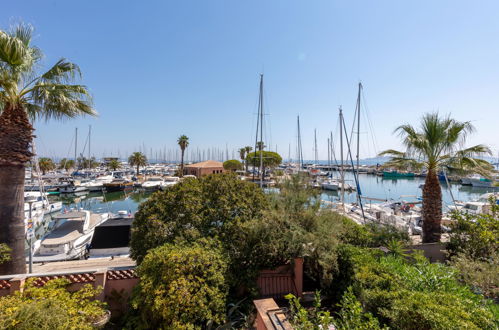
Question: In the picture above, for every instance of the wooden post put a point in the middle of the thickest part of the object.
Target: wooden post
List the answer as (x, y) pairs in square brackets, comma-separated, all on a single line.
[(100, 280), (17, 284), (298, 276)]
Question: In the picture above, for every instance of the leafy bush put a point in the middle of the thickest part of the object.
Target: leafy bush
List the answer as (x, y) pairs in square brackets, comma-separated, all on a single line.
[(352, 316), (314, 318), (232, 165), (195, 208), (4, 253), (476, 236), (182, 286), (50, 307), (411, 295), (481, 275)]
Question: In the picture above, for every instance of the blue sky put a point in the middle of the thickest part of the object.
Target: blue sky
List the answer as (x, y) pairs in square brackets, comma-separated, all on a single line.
[(159, 69)]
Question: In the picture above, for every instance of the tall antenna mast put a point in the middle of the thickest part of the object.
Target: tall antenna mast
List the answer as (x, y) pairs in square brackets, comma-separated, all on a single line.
[(259, 131), (341, 162), (300, 151), (76, 147), (89, 138), (315, 147), (358, 126)]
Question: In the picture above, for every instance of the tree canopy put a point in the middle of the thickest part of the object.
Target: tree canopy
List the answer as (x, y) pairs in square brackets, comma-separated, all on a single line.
[(182, 286), (204, 207), (233, 165), (46, 164), (270, 158)]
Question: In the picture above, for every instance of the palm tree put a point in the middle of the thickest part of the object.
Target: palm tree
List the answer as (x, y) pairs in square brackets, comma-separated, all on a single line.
[(242, 154), (26, 95), (183, 142), (435, 146), (260, 145), (66, 164), (46, 164), (114, 164), (248, 150), (137, 159)]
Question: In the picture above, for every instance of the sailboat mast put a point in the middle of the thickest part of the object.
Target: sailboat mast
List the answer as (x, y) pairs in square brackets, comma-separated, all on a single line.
[(315, 146), (341, 161), (300, 152), (328, 153), (76, 147), (261, 132), (358, 125), (89, 138)]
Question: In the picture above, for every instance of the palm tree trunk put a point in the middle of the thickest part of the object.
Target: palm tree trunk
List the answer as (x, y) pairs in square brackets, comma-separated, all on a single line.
[(182, 163), (16, 136), (137, 172), (12, 217), (432, 208)]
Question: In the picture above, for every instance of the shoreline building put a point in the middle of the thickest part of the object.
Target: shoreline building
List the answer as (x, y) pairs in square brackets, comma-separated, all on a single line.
[(204, 168)]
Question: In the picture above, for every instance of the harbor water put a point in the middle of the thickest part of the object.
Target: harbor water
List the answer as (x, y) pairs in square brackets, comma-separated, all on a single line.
[(373, 186)]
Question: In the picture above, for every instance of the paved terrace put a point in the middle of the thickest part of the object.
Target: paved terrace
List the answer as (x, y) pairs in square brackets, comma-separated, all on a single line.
[(82, 265)]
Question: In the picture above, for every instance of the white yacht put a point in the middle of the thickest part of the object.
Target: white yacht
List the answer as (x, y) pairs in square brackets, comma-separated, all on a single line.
[(72, 187), (153, 183), (70, 237), (336, 185), (170, 181), (98, 183), (39, 201)]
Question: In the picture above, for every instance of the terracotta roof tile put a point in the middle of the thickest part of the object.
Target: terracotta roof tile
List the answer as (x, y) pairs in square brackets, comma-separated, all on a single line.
[(205, 164)]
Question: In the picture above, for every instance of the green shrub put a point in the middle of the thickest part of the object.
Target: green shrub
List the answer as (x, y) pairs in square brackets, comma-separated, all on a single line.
[(232, 165), (481, 275), (352, 316), (411, 295), (4, 253), (195, 208), (181, 286), (308, 319), (50, 307), (476, 236)]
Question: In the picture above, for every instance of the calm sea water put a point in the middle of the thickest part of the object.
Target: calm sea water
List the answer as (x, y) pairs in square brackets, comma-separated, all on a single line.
[(371, 186), (406, 188)]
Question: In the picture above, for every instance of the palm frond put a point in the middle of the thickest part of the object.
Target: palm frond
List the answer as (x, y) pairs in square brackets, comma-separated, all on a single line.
[(62, 72), (401, 163), (13, 52), (393, 153), (465, 162), (60, 101)]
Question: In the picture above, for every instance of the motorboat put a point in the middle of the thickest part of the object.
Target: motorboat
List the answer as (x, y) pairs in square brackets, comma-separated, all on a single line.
[(72, 186), (98, 183), (169, 181), (336, 185), (39, 201), (70, 237), (112, 237), (118, 185), (153, 183)]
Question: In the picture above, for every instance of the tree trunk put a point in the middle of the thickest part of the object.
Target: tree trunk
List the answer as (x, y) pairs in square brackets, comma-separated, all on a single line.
[(432, 208), (182, 163), (137, 172), (12, 217), (16, 136)]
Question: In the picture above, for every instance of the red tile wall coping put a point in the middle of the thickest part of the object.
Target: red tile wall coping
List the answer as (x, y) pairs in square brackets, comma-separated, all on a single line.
[(4, 285), (266, 309)]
